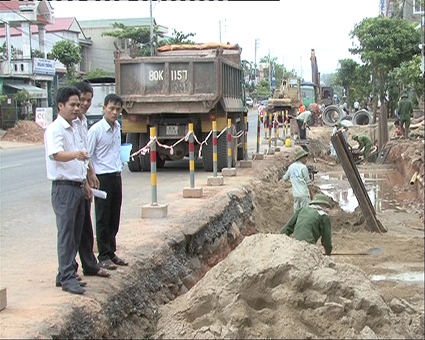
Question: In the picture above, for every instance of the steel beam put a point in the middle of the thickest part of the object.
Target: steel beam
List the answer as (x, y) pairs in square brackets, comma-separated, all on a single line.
[(356, 182)]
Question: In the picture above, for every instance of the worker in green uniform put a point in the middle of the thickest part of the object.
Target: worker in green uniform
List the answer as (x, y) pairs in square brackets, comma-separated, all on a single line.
[(405, 110), (310, 223), (365, 144)]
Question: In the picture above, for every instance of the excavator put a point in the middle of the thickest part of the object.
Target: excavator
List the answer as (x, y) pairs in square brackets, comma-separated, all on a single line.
[(314, 92)]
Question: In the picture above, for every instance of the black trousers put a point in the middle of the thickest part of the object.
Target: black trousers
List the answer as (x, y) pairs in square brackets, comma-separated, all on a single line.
[(302, 132), (108, 212), (88, 259)]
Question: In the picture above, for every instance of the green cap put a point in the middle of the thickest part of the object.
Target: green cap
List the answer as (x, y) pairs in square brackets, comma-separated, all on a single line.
[(320, 199), (354, 137), (300, 154)]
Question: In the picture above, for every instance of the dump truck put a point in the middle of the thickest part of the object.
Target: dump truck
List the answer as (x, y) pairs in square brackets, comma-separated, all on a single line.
[(179, 85)]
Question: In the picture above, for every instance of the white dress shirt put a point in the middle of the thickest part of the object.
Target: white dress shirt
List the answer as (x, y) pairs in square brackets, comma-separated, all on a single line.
[(105, 147), (60, 136)]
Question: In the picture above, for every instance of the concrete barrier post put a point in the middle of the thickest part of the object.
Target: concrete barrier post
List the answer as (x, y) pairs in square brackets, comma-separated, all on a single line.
[(154, 193), (245, 163), (192, 192), (154, 210), (270, 129), (191, 157), (214, 138), (245, 135), (258, 133), (215, 180), (229, 143)]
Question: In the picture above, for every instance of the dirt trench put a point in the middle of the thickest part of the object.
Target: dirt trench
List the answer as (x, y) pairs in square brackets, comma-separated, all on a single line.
[(261, 205)]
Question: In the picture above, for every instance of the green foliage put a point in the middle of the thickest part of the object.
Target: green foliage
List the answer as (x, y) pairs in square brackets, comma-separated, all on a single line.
[(408, 76), (137, 37), (36, 54), (2, 98), (69, 54), (97, 73), (384, 42), (262, 90), (22, 96), (178, 37)]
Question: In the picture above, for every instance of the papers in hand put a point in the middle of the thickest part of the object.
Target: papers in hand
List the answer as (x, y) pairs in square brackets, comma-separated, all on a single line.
[(98, 193)]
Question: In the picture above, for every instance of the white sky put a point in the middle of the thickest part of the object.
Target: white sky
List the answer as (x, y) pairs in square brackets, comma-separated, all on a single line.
[(289, 29)]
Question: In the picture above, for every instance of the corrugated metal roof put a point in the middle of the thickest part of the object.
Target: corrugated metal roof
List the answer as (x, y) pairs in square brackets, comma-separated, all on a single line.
[(103, 23)]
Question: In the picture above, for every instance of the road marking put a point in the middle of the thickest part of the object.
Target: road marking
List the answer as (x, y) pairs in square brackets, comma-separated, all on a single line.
[(10, 166)]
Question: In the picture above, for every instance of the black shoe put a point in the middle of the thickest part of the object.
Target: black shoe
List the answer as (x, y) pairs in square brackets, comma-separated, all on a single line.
[(108, 264), (81, 283), (74, 289)]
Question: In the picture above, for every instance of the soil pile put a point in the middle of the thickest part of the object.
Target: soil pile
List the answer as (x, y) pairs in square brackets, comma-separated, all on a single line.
[(25, 131), (272, 286)]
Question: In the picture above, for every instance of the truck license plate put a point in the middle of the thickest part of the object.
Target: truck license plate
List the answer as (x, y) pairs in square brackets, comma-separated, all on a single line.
[(172, 130)]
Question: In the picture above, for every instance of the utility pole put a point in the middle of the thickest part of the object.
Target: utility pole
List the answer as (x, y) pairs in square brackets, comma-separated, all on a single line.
[(151, 28), (257, 42), (219, 29)]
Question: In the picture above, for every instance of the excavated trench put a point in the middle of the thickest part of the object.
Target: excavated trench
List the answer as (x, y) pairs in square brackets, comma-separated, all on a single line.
[(133, 310)]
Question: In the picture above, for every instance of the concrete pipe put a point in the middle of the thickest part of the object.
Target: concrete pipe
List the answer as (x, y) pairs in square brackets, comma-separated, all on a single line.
[(362, 117), (332, 115)]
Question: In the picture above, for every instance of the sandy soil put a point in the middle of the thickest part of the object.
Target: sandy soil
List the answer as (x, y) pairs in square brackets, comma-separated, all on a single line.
[(274, 287)]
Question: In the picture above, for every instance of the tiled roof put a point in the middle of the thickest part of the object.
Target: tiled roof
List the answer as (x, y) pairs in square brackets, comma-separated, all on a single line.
[(10, 5), (60, 25)]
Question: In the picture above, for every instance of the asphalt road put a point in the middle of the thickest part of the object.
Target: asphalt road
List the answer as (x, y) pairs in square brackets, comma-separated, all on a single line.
[(28, 229)]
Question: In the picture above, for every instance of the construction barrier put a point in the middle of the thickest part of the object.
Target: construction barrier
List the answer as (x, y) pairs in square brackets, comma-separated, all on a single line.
[(154, 194), (191, 157), (229, 143)]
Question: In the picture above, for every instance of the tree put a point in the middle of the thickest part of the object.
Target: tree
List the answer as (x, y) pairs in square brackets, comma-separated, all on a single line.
[(345, 76), (383, 44), (137, 37), (178, 37), (408, 76), (69, 54)]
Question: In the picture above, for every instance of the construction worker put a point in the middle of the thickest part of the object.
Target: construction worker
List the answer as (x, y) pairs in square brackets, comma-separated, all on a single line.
[(304, 118), (365, 144), (405, 109), (298, 174), (312, 222)]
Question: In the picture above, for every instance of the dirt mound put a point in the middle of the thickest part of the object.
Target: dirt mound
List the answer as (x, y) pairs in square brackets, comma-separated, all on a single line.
[(272, 286), (25, 131)]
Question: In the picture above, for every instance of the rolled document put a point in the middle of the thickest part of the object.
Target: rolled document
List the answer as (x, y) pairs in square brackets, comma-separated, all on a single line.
[(98, 193)]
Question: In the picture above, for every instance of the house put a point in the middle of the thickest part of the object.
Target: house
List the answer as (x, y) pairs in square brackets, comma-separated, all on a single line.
[(101, 53), (17, 69)]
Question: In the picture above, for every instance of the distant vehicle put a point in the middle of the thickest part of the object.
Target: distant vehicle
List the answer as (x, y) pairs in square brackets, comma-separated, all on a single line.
[(102, 86), (249, 102)]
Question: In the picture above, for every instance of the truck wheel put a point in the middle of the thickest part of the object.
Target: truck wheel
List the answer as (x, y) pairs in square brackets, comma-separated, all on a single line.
[(134, 163), (207, 154), (145, 160)]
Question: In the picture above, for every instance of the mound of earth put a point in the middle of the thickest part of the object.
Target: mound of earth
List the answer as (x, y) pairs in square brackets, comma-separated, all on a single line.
[(275, 287), (25, 131)]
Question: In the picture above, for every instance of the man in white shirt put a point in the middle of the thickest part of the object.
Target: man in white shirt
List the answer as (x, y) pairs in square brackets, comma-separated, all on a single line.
[(298, 174), (87, 257), (104, 139), (66, 164)]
